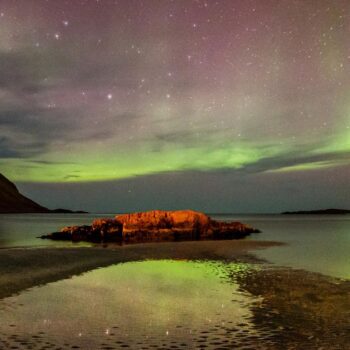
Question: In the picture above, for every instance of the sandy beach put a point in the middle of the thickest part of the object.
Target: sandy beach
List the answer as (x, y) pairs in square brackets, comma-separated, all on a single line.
[(292, 309)]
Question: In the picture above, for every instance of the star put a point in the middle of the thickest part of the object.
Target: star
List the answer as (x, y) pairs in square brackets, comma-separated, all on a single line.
[(206, 70)]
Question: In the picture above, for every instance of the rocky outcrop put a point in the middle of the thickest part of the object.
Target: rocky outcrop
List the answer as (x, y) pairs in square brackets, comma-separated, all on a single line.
[(154, 226)]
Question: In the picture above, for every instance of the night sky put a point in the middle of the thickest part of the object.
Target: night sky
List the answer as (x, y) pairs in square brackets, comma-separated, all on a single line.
[(222, 106)]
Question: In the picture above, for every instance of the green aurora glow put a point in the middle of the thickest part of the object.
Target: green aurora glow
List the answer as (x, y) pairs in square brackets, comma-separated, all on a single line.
[(126, 95)]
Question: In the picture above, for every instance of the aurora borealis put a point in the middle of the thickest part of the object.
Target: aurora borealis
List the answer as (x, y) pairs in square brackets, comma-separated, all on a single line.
[(176, 103)]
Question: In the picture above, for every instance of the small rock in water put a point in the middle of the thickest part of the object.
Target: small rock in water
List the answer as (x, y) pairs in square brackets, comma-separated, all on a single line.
[(154, 226)]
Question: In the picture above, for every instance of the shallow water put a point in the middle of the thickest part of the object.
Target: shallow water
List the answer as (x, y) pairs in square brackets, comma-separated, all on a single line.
[(162, 304), (22, 230), (315, 243), (318, 243)]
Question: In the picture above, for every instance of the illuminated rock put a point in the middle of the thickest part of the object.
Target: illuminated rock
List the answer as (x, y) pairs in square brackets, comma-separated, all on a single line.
[(154, 226)]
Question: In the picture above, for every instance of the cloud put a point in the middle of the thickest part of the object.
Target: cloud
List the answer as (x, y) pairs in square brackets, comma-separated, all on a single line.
[(294, 159), (7, 150), (179, 103)]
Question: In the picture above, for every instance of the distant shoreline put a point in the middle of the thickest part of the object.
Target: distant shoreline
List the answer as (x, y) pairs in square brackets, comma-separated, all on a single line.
[(318, 212)]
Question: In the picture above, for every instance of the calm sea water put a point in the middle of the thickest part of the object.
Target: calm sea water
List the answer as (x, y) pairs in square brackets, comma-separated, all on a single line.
[(316, 243)]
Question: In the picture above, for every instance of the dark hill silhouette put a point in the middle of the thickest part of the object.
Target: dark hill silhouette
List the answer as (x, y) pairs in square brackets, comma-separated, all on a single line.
[(12, 201)]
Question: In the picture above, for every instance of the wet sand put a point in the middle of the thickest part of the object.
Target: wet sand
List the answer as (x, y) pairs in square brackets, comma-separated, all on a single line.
[(299, 309), (28, 267), (293, 309)]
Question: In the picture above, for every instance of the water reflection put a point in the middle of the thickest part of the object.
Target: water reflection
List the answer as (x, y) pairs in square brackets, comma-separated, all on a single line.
[(318, 243), (163, 304)]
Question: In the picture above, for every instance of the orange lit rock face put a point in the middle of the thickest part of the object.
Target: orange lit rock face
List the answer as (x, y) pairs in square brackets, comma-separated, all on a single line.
[(160, 225), (155, 226)]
